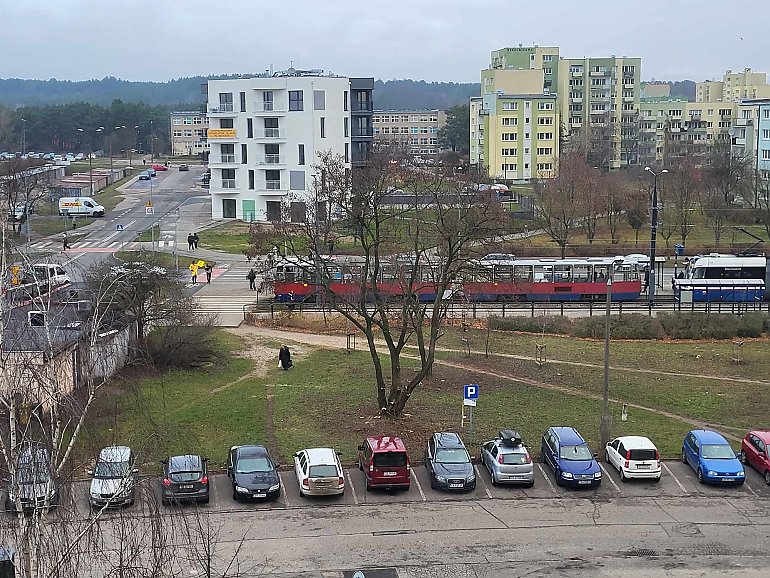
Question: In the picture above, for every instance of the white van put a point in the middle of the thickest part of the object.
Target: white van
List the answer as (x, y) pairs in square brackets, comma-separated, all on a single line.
[(80, 206), (52, 273)]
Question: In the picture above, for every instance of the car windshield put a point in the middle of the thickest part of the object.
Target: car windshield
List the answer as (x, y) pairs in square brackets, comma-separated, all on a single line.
[(575, 453), (181, 477), (254, 465), (643, 455), (452, 456), (323, 472), (390, 460), (717, 452), (515, 459), (107, 470), (27, 474)]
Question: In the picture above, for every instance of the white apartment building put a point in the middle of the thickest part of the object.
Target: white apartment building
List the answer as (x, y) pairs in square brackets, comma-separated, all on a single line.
[(265, 133)]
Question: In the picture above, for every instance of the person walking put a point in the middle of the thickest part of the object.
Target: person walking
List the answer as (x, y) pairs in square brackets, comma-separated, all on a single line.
[(194, 272), (284, 358), (195, 241), (252, 276), (65, 242), (208, 268), (190, 242)]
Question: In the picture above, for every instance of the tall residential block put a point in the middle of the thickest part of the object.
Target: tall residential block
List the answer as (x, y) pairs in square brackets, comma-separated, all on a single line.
[(415, 130), (734, 87), (750, 135), (265, 134), (188, 133)]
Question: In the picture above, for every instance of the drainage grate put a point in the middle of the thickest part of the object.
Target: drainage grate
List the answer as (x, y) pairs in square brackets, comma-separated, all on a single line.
[(643, 552)]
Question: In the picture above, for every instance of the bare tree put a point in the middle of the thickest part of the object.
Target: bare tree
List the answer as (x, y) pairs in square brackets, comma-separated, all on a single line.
[(726, 180), (684, 186), (759, 200), (20, 186), (615, 189)]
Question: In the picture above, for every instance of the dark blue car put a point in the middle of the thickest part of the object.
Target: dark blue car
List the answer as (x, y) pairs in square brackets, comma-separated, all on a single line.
[(572, 461), (712, 458)]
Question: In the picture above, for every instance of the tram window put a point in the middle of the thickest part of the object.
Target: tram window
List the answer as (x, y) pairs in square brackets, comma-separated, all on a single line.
[(581, 273), (388, 273), (288, 274), (622, 273), (601, 272), (522, 273), (543, 273), (503, 273), (481, 274), (562, 273), (428, 274)]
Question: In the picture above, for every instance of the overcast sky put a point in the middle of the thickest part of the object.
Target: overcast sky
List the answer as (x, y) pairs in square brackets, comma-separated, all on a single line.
[(441, 40)]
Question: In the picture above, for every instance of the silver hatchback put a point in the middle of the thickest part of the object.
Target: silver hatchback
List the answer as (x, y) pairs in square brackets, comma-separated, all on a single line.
[(508, 460)]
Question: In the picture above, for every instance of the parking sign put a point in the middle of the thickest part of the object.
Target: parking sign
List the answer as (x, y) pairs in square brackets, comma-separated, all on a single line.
[(471, 391)]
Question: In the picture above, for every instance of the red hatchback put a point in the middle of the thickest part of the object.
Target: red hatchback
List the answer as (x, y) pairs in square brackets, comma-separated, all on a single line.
[(754, 452), (160, 167), (385, 462)]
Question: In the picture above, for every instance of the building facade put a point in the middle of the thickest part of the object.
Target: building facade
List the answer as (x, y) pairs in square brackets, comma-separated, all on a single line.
[(188, 133), (734, 87), (265, 134), (415, 130), (750, 135)]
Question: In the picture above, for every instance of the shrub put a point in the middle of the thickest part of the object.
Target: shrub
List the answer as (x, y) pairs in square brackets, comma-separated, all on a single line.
[(752, 325), (722, 326), (551, 323), (181, 345), (627, 326)]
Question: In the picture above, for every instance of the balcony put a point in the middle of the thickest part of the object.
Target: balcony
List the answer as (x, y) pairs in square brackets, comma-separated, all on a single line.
[(356, 106), (576, 99), (271, 160), (674, 129), (222, 108), (228, 183), (484, 111), (600, 73), (271, 134), (628, 74), (265, 107), (744, 122), (576, 73), (362, 131), (628, 99), (272, 185)]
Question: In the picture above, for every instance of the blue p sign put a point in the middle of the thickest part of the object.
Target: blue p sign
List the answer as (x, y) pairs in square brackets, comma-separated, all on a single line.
[(471, 391)]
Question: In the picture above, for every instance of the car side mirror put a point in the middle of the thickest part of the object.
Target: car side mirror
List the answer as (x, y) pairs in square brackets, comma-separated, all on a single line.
[(135, 470), (162, 462), (338, 453), (89, 472), (205, 459), (596, 456), (361, 448), (296, 454)]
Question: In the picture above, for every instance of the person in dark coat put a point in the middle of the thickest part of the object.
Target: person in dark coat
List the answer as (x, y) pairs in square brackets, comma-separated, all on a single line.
[(284, 358), (195, 241), (208, 269), (190, 242), (252, 276)]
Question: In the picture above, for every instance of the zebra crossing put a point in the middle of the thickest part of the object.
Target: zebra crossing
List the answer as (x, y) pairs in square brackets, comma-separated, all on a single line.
[(91, 244), (237, 271), (228, 309)]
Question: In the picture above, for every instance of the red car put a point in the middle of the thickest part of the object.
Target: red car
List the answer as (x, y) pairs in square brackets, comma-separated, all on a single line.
[(754, 452), (385, 463), (160, 167)]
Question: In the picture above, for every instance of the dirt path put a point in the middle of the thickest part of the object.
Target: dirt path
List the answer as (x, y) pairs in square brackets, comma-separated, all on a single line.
[(340, 342)]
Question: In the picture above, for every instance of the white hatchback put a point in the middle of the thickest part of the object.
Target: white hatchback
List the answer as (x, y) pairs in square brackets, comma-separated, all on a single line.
[(634, 457), (319, 472)]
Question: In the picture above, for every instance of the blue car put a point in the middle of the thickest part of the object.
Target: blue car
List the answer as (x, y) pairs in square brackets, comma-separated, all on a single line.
[(712, 458), (572, 461)]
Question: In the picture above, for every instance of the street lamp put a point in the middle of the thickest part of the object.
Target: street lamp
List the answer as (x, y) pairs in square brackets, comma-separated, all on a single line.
[(90, 154), (152, 143), (117, 128), (23, 136), (653, 234)]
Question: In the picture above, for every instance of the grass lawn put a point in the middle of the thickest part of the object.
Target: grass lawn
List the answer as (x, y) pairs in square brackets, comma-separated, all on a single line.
[(328, 398), (230, 237), (158, 257)]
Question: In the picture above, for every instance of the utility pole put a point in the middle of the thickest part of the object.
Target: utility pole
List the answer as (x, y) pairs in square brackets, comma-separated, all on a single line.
[(152, 143), (90, 154), (606, 420), (653, 234)]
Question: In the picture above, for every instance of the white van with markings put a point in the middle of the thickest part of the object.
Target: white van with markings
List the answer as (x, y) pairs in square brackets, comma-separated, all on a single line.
[(80, 206)]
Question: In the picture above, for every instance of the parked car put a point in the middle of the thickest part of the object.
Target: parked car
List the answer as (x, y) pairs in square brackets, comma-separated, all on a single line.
[(448, 463), (319, 472), (185, 478), (712, 458), (32, 482), (508, 461), (634, 457), (144, 176), (385, 463), (754, 452), (184, 167), (79, 157), (566, 452), (113, 480), (151, 171), (253, 473), (20, 212), (159, 167)]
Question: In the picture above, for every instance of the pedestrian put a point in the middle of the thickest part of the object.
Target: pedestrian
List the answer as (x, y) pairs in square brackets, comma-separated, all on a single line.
[(331, 246), (65, 242), (144, 161), (190, 242), (208, 268), (252, 276), (194, 272), (646, 278), (284, 358), (195, 241), (74, 224)]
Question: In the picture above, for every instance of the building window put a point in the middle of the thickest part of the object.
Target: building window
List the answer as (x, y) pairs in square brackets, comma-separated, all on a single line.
[(433, 130), (545, 136), (508, 167), (251, 180), (323, 127), (510, 121), (423, 130), (301, 154), (545, 151), (228, 178), (345, 100), (545, 120), (244, 154), (187, 132), (766, 133), (243, 101), (509, 152), (547, 70), (176, 121), (547, 57), (319, 100), (510, 106), (178, 133), (197, 120), (187, 120), (347, 152), (509, 136), (415, 130), (225, 101), (249, 128), (544, 106), (346, 127), (226, 123), (295, 100), (766, 154), (297, 180), (404, 130)]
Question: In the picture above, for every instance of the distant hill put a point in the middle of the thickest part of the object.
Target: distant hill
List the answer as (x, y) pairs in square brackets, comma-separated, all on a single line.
[(680, 88), (391, 94)]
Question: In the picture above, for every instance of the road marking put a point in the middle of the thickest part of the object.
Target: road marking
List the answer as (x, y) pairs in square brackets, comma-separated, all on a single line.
[(419, 485), (670, 473), (352, 488), (76, 257), (283, 490), (749, 488), (478, 479), (609, 477), (547, 479)]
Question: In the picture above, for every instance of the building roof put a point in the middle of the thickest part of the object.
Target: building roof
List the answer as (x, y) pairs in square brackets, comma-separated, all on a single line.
[(61, 325)]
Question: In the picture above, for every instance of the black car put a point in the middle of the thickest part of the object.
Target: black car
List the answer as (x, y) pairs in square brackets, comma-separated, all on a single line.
[(253, 473), (32, 483), (185, 478), (449, 463)]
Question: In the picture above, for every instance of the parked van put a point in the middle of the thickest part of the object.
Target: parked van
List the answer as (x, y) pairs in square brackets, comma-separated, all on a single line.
[(385, 462), (51, 273), (80, 206)]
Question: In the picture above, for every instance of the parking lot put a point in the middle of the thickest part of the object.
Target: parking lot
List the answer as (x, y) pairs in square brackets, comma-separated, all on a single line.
[(677, 481)]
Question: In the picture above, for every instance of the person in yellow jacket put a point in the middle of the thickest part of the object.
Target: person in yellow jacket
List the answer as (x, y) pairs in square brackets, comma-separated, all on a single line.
[(193, 272)]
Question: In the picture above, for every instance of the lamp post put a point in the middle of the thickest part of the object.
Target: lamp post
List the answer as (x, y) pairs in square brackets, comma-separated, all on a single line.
[(152, 143), (90, 154), (604, 424), (653, 234), (23, 136), (112, 134)]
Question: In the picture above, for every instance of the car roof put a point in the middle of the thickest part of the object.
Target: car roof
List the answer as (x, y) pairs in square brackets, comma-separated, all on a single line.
[(251, 451), (448, 440), (386, 444), (115, 454), (637, 442), (321, 455), (185, 463), (762, 434), (568, 435), (507, 449), (707, 436)]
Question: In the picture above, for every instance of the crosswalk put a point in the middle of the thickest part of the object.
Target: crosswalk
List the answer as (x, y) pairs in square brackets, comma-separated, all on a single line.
[(238, 271), (228, 309), (92, 244)]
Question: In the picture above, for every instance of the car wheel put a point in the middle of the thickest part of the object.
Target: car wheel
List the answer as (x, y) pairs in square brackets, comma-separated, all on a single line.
[(656, 480), (368, 486), (360, 465), (767, 477), (494, 479), (684, 457), (432, 482), (607, 456), (205, 500), (700, 475), (529, 485), (302, 493), (623, 477), (235, 495), (557, 473), (742, 457)]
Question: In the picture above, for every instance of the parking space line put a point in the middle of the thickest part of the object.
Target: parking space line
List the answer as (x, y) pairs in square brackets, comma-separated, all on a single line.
[(749, 488), (550, 485), (352, 488), (478, 479), (283, 490), (419, 485), (609, 477), (670, 473)]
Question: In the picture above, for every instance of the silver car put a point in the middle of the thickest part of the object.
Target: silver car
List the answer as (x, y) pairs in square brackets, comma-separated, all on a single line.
[(319, 472), (114, 478), (508, 460)]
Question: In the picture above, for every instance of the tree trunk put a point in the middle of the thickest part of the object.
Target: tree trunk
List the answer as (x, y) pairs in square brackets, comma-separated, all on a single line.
[(563, 247)]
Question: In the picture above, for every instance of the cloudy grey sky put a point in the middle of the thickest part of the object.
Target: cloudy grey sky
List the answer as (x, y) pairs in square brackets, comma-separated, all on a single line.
[(442, 40)]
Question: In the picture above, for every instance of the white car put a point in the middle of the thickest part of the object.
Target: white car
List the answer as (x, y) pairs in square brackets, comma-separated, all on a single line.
[(634, 457), (319, 472)]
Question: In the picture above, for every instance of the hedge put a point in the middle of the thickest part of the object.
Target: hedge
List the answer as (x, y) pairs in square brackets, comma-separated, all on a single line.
[(547, 324)]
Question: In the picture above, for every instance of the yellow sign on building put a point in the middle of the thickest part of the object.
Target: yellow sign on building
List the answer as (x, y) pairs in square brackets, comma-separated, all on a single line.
[(221, 133)]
